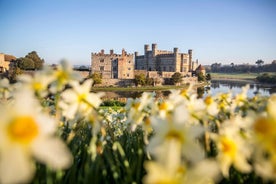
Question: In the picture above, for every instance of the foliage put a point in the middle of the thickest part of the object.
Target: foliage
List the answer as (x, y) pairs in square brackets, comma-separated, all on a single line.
[(38, 62), (111, 103), (97, 78), (243, 68), (14, 73), (208, 77), (140, 79), (259, 62), (266, 78), (180, 139), (176, 78), (201, 77), (26, 64)]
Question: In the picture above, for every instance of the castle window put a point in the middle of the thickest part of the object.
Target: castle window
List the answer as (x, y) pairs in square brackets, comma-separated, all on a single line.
[(127, 75), (129, 61), (114, 68), (1, 69), (102, 60), (101, 68), (129, 68)]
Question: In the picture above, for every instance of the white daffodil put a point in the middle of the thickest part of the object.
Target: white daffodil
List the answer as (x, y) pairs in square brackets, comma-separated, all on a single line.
[(206, 171), (175, 127), (158, 173), (5, 89), (39, 82), (137, 109), (264, 129), (233, 148), (26, 135), (79, 100), (211, 106), (63, 75)]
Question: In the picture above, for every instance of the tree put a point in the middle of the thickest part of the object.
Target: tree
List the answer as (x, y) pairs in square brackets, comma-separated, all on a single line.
[(38, 62), (176, 78), (259, 62), (14, 73), (97, 78), (25, 63), (140, 79), (200, 77), (208, 77)]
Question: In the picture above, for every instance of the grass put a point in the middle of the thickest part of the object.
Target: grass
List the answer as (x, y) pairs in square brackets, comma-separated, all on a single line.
[(143, 88), (243, 76)]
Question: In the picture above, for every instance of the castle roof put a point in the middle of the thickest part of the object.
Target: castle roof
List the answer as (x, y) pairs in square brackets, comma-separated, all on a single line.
[(9, 57), (200, 68)]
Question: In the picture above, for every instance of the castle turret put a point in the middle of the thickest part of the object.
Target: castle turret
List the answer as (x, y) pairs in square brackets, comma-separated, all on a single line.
[(154, 49), (111, 52), (175, 50), (190, 52), (146, 49)]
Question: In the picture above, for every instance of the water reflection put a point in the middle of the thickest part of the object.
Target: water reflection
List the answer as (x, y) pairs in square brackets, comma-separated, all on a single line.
[(236, 87), (213, 89)]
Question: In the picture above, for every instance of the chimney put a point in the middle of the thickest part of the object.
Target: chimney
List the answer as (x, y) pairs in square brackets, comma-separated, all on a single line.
[(102, 51)]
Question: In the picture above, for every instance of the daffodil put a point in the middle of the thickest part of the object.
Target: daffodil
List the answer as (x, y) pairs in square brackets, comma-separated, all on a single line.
[(139, 108), (79, 100), (175, 127), (63, 75), (28, 135), (233, 148), (39, 82), (264, 129), (5, 89)]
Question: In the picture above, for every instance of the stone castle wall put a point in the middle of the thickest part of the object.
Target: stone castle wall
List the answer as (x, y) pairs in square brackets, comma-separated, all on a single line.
[(113, 66)]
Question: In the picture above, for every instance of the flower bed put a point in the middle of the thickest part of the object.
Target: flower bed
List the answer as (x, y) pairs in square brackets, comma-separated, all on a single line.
[(53, 130)]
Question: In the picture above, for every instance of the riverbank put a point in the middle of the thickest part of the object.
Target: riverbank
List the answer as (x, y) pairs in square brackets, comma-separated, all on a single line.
[(234, 76), (245, 78)]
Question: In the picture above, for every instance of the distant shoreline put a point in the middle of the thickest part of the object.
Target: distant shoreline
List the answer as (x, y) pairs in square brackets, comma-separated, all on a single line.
[(244, 81)]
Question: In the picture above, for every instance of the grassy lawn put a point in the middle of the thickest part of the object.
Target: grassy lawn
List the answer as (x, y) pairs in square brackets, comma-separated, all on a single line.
[(244, 76), (143, 88)]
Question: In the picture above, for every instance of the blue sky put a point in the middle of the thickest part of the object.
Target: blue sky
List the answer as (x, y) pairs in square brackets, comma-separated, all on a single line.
[(239, 31)]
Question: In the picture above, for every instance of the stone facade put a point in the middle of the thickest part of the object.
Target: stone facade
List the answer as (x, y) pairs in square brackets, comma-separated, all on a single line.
[(113, 66), (5, 62), (165, 61), (117, 68)]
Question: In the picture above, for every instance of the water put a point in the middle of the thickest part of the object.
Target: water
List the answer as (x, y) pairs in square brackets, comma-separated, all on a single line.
[(213, 89), (236, 87)]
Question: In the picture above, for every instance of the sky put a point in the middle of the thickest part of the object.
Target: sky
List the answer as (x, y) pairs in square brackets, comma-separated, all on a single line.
[(223, 31)]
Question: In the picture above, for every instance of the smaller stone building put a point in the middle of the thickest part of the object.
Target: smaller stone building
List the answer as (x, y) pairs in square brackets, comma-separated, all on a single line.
[(113, 66), (5, 61)]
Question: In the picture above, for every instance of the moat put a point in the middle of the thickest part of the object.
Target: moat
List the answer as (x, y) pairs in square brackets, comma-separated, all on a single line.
[(214, 88)]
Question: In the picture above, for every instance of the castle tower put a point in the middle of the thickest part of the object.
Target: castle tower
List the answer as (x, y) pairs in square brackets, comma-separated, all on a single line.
[(175, 50), (190, 52), (154, 49), (146, 49)]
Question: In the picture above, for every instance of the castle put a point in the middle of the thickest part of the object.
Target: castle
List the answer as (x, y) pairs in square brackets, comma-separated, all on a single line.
[(154, 63), (113, 66)]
